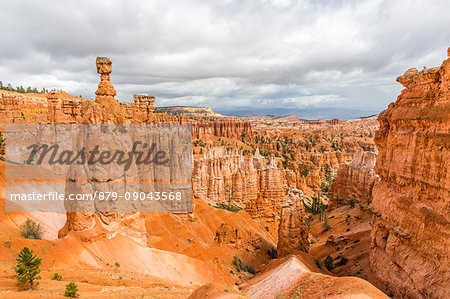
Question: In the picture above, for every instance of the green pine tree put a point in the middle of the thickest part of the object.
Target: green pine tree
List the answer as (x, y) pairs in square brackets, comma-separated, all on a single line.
[(27, 267), (326, 225), (71, 290), (2, 147), (328, 263)]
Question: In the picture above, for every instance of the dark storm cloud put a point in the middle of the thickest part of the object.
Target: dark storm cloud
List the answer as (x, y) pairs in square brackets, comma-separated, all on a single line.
[(226, 54)]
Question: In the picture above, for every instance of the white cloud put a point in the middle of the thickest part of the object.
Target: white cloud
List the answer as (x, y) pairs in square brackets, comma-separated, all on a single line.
[(229, 54)]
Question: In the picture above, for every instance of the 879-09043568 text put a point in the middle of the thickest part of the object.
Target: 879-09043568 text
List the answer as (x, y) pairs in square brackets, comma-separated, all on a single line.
[(98, 195)]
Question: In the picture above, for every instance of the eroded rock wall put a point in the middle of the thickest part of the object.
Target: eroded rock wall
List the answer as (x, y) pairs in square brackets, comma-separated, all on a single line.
[(251, 182), (221, 128), (411, 203), (354, 181)]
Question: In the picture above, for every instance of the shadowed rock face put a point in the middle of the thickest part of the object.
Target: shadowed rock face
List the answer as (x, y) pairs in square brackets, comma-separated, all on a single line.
[(354, 180), (411, 203), (292, 232)]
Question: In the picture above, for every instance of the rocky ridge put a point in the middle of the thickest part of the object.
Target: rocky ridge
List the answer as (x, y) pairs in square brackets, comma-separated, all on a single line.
[(411, 203)]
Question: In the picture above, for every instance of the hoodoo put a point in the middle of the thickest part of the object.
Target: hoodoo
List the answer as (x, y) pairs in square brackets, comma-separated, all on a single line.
[(293, 231)]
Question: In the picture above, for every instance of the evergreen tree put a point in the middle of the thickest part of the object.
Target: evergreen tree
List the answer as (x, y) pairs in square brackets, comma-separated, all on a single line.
[(326, 226), (2, 147), (328, 262), (328, 173), (71, 290), (27, 267)]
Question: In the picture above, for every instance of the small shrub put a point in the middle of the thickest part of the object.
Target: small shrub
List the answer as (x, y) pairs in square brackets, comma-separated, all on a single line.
[(356, 241), (326, 226), (117, 265), (328, 262), (324, 187), (307, 222), (318, 263), (231, 207), (266, 228), (2, 147), (56, 276), (31, 230), (305, 172), (7, 244), (71, 290), (342, 261), (351, 202), (348, 229), (239, 264)]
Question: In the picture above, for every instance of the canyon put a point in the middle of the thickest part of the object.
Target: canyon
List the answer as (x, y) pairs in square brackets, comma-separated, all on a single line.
[(281, 206)]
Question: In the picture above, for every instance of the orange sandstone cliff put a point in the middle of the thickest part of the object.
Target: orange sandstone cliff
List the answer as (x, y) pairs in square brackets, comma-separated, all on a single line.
[(411, 203), (354, 181), (230, 128), (227, 177)]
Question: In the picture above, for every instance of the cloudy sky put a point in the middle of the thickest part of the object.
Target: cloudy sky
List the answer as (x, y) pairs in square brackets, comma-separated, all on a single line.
[(239, 56)]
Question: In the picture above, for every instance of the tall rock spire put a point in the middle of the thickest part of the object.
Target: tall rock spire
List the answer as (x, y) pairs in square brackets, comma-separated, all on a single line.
[(105, 90)]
